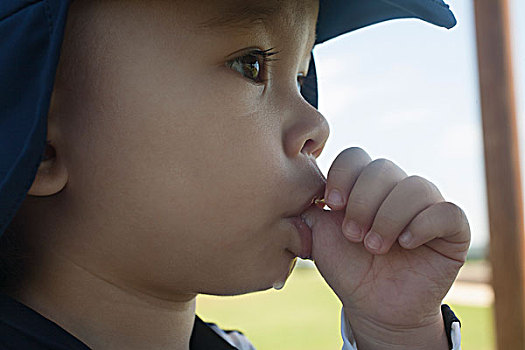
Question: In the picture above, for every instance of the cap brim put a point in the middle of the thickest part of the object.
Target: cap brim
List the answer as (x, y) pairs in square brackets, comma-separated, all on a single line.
[(337, 17)]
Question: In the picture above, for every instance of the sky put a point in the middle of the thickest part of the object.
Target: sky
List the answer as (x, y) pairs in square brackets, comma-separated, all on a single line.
[(408, 91)]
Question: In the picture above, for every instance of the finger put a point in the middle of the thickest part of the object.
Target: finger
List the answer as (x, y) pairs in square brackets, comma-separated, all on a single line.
[(409, 197), (342, 174), (370, 190), (442, 220)]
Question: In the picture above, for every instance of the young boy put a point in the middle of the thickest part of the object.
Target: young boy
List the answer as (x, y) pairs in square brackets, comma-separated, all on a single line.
[(173, 152)]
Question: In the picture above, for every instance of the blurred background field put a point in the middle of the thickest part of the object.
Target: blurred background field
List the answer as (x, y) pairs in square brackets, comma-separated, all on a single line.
[(305, 315)]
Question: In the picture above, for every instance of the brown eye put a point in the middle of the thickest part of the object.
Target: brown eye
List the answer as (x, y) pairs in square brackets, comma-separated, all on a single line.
[(248, 65), (254, 64)]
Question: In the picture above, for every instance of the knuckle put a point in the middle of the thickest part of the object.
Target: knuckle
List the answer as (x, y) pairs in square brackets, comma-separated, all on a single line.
[(357, 206), (349, 160), (432, 223), (420, 184), (338, 169), (353, 149), (386, 223), (349, 152), (382, 165), (353, 152), (341, 162), (455, 215)]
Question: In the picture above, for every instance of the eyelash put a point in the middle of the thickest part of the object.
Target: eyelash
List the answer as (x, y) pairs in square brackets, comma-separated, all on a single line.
[(262, 58)]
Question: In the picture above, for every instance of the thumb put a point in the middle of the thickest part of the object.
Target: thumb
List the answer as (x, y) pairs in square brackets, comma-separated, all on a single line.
[(339, 261), (328, 241)]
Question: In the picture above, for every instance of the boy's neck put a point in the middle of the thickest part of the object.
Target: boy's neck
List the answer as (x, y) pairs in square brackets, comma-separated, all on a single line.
[(102, 313)]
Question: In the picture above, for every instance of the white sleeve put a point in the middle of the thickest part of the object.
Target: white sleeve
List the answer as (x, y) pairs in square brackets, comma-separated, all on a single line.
[(455, 335), (350, 344)]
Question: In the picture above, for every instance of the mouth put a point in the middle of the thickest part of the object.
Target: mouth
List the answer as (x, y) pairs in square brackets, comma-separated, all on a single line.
[(305, 233)]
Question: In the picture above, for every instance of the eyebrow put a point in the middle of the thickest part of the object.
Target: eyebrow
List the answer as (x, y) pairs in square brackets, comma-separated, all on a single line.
[(244, 17)]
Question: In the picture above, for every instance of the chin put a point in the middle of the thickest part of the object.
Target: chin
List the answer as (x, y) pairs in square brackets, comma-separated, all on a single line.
[(249, 282)]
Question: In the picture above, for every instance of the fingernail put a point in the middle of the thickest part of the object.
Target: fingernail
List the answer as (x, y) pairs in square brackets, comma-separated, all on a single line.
[(352, 230), (373, 241), (405, 238), (335, 198)]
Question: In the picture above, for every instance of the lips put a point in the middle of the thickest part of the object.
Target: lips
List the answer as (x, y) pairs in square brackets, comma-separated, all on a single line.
[(314, 187), (305, 233)]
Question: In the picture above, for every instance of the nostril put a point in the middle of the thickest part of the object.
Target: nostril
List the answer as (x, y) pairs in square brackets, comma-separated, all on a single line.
[(309, 147)]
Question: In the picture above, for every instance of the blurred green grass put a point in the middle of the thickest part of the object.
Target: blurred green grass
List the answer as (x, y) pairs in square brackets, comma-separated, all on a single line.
[(476, 327), (305, 315)]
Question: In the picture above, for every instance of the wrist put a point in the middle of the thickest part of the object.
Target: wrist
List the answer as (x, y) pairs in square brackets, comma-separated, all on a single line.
[(429, 334)]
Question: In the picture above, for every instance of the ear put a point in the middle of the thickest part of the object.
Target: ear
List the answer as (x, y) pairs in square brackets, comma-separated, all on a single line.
[(51, 176)]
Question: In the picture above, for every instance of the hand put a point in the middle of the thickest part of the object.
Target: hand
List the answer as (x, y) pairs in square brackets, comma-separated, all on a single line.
[(393, 272)]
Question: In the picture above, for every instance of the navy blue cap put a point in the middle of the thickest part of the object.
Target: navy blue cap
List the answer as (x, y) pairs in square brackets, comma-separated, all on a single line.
[(31, 33)]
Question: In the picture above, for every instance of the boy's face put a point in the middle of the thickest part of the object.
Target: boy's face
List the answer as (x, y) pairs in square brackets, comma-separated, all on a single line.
[(187, 155)]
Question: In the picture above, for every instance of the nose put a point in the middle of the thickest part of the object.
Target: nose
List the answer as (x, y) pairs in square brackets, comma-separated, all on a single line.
[(306, 132)]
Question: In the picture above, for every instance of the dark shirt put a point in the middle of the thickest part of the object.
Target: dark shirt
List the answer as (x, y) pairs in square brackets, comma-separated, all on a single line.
[(23, 328)]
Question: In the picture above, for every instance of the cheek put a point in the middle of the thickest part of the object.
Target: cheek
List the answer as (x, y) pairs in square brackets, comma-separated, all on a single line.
[(217, 173), (183, 161), (191, 192), (184, 170), (207, 146)]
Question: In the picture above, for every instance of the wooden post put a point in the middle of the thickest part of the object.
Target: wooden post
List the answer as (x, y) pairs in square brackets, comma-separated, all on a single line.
[(502, 171)]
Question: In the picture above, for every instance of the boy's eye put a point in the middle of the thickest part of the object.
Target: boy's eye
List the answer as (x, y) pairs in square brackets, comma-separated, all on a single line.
[(253, 65), (249, 66)]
